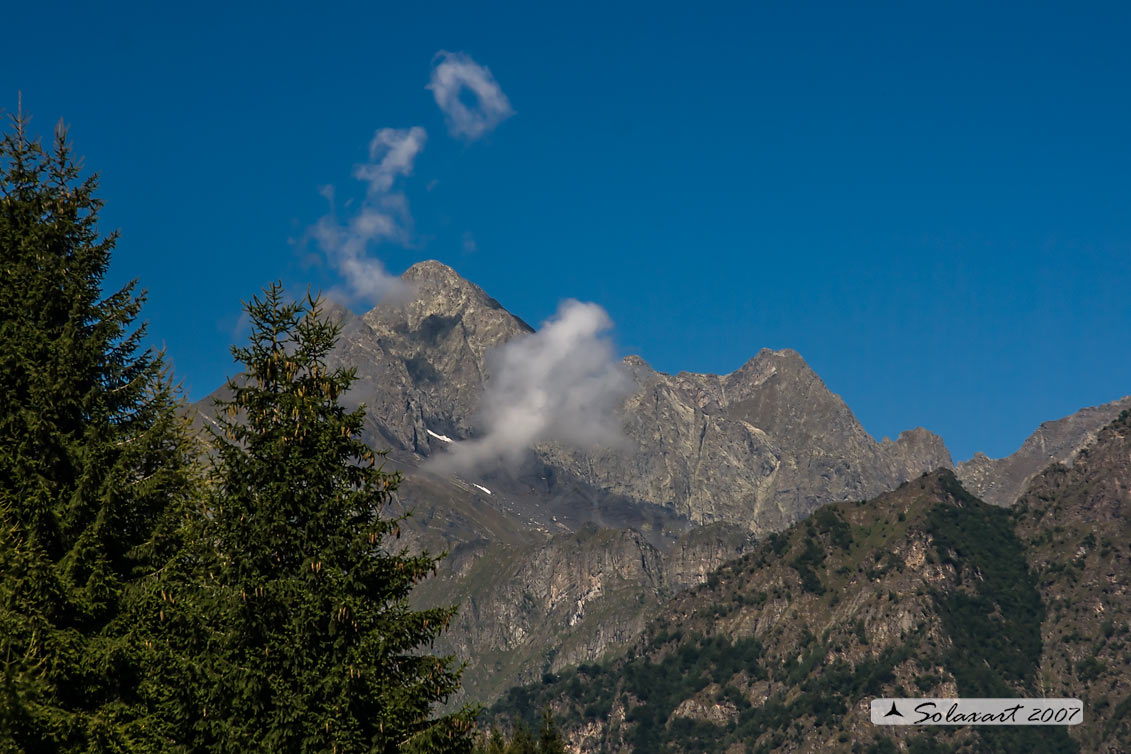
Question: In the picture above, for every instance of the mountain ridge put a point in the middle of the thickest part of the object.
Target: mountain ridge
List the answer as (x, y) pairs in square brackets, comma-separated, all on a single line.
[(715, 461)]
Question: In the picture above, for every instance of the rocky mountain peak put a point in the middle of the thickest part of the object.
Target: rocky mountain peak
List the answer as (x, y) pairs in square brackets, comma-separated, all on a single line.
[(430, 279), (432, 269), (785, 365), (778, 392), (923, 448), (427, 353), (444, 310)]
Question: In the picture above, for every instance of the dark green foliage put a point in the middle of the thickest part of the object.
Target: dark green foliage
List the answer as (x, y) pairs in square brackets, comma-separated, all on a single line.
[(779, 543), (95, 464), (522, 742), (661, 686), (1089, 669), (827, 521), (995, 623), (294, 595), (927, 745), (812, 556), (1122, 712), (883, 745), (549, 740)]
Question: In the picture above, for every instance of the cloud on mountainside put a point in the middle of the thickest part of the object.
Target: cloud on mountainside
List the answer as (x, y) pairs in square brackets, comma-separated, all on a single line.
[(560, 384), (456, 72), (382, 216)]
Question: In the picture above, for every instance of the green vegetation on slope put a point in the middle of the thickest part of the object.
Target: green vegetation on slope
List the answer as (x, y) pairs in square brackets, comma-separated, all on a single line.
[(924, 591)]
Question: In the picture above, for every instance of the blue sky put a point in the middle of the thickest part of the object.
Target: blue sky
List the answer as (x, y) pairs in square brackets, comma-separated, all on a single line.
[(931, 204)]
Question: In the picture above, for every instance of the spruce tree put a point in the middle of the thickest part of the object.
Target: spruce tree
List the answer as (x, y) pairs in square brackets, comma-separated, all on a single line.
[(493, 743), (297, 598), (550, 740), (95, 464), (521, 741)]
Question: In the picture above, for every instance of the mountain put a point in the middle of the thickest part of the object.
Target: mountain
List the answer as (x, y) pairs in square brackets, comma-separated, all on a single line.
[(1076, 522), (760, 447), (1001, 480), (923, 591), (711, 461), (531, 609), (566, 557)]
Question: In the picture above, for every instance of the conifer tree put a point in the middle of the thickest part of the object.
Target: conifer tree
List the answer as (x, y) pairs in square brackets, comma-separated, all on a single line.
[(494, 743), (550, 740), (95, 463), (521, 741), (297, 601)]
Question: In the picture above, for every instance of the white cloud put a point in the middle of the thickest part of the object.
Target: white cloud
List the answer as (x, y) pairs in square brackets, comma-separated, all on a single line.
[(382, 216), (560, 384), (456, 72), (392, 152)]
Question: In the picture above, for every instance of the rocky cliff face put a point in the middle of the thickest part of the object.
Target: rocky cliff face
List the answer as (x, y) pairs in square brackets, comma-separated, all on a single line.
[(1001, 480), (530, 610), (710, 460), (422, 361), (759, 447), (762, 446)]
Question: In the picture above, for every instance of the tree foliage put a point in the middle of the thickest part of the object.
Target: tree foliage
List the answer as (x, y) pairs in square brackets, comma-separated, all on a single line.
[(522, 741), (148, 604), (95, 463), (294, 594)]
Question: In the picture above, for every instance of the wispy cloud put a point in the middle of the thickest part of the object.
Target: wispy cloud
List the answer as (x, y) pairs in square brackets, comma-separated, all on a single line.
[(560, 384), (382, 216), (452, 73)]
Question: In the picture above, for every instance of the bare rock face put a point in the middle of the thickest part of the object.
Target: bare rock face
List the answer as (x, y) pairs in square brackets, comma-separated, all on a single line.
[(526, 610), (422, 362), (443, 336), (762, 446), (1001, 480)]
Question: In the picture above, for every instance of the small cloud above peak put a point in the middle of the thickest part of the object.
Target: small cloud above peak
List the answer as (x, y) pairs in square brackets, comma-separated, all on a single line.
[(382, 216), (454, 75)]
